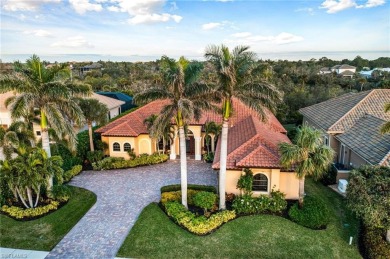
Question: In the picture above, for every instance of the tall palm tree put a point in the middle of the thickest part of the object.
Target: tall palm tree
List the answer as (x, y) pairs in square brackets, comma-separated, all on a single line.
[(386, 127), (42, 88), (307, 156), (210, 128), (187, 98), (93, 111), (237, 78)]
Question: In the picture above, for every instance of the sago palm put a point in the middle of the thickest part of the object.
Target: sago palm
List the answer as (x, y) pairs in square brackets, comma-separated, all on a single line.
[(187, 98), (42, 88), (237, 78), (93, 111), (307, 156)]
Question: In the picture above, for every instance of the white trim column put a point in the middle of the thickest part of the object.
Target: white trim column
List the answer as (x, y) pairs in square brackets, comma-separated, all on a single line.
[(212, 143), (198, 147)]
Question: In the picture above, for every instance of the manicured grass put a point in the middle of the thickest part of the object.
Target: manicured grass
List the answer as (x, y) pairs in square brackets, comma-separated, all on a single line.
[(262, 236), (44, 233)]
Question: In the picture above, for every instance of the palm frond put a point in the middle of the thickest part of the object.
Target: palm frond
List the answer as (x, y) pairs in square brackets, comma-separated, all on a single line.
[(152, 94)]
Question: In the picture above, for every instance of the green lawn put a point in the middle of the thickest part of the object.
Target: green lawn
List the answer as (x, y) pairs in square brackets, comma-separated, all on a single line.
[(44, 233), (262, 236)]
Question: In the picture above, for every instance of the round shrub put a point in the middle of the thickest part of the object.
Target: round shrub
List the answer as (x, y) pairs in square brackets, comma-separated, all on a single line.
[(314, 214), (205, 200)]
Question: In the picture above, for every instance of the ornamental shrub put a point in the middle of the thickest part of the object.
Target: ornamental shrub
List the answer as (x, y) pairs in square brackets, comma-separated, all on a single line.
[(177, 187), (176, 196), (246, 204), (205, 200), (68, 175), (314, 214), (95, 156), (197, 225), (245, 182), (120, 163), (374, 243)]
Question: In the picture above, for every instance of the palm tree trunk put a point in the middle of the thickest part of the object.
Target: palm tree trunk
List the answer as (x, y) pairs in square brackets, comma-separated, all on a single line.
[(222, 162), (29, 195), (21, 198), (46, 144), (388, 235), (301, 191), (164, 144), (183, 166), (37, 199), (90, 133)]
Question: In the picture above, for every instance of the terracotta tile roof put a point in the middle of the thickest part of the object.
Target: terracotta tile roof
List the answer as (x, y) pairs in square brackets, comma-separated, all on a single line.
[(341, 113), (365, 140), (251, 143), (135, 119)]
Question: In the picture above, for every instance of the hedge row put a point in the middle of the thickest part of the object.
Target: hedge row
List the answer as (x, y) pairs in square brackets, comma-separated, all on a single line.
[(197, 225), (177, 187), (120, 163), (246, 204), (68, 175)]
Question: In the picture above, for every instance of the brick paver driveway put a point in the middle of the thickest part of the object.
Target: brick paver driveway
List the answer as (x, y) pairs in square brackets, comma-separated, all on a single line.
[(121, 196)]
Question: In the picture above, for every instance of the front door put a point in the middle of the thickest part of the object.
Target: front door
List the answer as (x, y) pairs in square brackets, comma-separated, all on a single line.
[(190, 145)]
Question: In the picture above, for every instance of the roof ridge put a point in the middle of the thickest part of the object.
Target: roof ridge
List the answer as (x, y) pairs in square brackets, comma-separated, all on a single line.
[(120, 124), (387, 156), (261, 146), (353, 108)]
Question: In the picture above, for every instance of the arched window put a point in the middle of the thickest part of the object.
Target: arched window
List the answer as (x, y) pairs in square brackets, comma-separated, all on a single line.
[(260, 183), (126, 147), (116, 146)]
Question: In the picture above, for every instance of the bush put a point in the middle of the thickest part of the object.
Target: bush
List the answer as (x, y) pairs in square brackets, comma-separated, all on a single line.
[(120, 163), (177, 187), (95, 156), (197, 225), (205, 200), (374, 243), (314, 214), (176, 196), (246, 204), (330, 176), (245, 181), (61, 150), (68, 175), (60, 192), (208, 157)]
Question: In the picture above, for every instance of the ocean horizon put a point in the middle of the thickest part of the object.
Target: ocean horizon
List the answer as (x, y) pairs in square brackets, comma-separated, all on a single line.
[(291, 56)]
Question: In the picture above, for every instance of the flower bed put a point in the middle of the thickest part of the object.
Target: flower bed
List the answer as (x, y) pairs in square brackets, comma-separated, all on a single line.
[(121, 163)]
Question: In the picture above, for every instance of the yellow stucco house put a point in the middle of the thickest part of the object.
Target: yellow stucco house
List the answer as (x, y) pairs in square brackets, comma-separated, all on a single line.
[(251, 144)]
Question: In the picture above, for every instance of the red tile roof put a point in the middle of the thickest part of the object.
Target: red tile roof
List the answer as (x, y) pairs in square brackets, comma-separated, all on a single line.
[(252, 143), (132, 125)]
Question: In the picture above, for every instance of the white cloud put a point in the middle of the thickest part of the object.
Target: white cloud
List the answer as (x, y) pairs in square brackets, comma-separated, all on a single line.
[(83, 6), (73, 42), (25, 5), (142, 11), (281, 38), (308, 10), (335, 6), (154, 18), (211, 25), (39, 33)]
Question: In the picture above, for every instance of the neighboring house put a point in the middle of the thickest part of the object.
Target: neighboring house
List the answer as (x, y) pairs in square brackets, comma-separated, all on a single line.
[(252, 144), (368, 73), (92, 67), (128, 100), (325, 70), (5, 116), (351, 125)]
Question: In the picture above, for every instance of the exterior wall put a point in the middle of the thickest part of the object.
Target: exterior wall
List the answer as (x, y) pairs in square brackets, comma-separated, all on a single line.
[(286, 182), (114, 112), (5, 119), (196, 131), (141, 144)]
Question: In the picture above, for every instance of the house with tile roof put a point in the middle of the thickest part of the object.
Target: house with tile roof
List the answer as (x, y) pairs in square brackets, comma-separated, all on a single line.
[(351, 125), (252, 144)]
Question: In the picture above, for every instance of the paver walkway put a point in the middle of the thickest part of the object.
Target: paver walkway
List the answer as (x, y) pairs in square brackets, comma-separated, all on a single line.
[(121, 196)]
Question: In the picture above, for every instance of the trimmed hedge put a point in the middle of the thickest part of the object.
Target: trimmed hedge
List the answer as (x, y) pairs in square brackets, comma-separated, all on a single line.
[(121, 163), (246, 204), (374, 243), (197, 225), (176, 196), (68, 175), (177, 187), (314, 214)]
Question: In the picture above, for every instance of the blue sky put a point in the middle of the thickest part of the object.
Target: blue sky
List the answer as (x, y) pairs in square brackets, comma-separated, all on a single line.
[(156, 27)]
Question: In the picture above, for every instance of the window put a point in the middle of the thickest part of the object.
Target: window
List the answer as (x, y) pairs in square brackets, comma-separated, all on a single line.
[(260, 183), (326, 140), (116, 146), (38, 133), (126, 147)]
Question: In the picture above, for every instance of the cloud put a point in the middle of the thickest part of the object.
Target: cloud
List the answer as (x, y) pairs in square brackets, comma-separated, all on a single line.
[(25, 5), (211, 25), (73, 42), (83, 6), (335, 6), (308, 10), (144, 12), (39, 33), (281, 38)]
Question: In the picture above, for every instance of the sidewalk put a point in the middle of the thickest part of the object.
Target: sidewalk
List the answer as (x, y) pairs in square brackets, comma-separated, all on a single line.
[(13, 253)]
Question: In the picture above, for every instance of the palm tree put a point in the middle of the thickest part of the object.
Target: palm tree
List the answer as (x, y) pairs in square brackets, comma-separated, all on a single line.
[(307, 156), (17, 133), (93, 111), (211, 128), (237, 78), (187, 98), (41, 88), (386, 127), (150, 123)]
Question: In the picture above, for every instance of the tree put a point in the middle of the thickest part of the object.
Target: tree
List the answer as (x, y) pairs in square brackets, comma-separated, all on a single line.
[(17, 133), (43, 88), (236, 79), (307, 156), (187, 98), (386, 127), (211, 128), (93, 111), (368, 195)]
